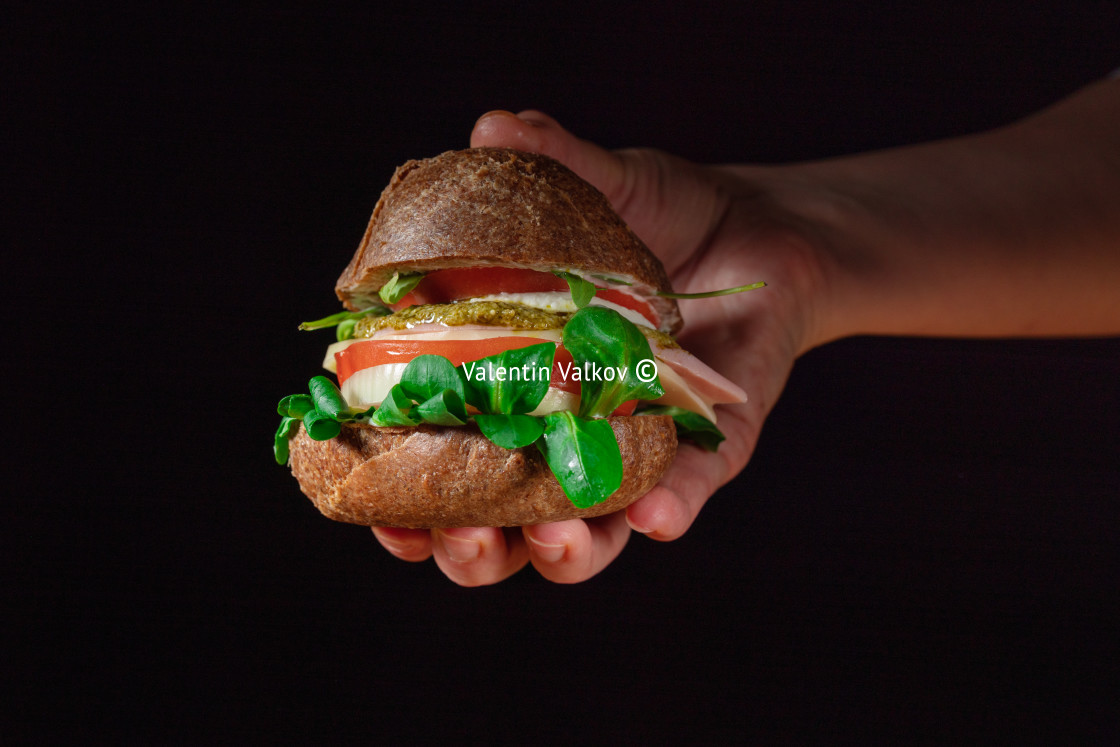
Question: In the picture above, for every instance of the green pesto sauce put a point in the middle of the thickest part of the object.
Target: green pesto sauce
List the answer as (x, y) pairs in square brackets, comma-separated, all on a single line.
[(488, 313), (662, 338), (491, 313)]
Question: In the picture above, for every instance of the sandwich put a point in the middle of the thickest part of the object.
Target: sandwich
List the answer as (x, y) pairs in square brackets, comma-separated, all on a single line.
[(506, 357)]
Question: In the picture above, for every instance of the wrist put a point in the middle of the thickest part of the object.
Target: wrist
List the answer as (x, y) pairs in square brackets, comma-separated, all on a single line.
[(895, 236), (814, 230)]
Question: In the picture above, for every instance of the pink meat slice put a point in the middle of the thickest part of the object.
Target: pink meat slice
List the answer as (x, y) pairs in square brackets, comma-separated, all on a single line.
[(712, 386)]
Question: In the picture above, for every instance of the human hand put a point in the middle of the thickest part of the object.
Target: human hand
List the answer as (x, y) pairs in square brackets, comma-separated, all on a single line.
[(712, 227)]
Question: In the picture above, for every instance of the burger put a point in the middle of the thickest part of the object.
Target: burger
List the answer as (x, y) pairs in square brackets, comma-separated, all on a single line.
[(506, 356)]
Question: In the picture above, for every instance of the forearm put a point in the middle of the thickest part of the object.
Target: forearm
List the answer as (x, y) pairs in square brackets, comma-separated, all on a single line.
[(1013, 232)]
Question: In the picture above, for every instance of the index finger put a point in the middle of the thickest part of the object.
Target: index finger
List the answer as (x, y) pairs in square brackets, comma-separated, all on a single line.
[(536, 132)]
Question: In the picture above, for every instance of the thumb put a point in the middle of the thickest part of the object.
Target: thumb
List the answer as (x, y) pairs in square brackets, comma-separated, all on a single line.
[(536, 132)]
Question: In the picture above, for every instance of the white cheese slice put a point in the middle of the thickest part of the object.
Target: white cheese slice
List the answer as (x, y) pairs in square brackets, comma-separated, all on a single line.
[(370, 386)]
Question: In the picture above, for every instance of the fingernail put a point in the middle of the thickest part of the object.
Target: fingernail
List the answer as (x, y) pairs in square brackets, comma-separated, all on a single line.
[(391, 543), (495, 113), (532, 119), (401, 548), (637, 527), (461, 549), (548, 552)]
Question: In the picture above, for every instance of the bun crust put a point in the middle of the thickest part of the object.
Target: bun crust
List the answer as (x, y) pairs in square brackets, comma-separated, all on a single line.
[(430, 476), (499, 207)]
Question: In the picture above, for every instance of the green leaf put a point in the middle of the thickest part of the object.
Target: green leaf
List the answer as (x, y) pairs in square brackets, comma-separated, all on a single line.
[(613, 361), (280, 441), (328, 399), (713, 294), (510, 431), (295, 406), (512, 382), (359, 416), (343, 316), (582, 290), (428, 375), (584, 456), (445, 408), (691, 426), (321, 427), (393, 410), (398, 286), (345, 329)]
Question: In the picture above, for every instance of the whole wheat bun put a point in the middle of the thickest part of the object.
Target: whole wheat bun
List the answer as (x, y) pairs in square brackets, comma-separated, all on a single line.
[(496, 206), (431, 476), (483, 206)]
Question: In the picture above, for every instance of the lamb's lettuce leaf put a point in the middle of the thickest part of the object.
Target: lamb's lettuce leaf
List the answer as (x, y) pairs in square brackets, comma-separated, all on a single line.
[(398, 286), (393, 410), (583, 454), (582, 290), (615, 361), (510, 431), (512, 382), (344, 321), (691, 426)]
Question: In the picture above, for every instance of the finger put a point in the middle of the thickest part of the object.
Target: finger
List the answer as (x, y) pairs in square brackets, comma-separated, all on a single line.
[(666, 512), (669, 203), (478, 556), (413, 545), (568, 552), (536, 132)]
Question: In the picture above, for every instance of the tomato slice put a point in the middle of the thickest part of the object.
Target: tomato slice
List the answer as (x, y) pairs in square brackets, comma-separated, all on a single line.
[(369, 353), (626, 408), (456, 284), (563, 364), (627, 301)]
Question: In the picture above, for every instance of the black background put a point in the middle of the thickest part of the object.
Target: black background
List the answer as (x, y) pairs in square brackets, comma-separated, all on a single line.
[(924, 547)]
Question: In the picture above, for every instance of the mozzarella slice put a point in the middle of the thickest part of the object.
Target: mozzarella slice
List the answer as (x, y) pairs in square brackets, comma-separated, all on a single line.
[(368, 387), (557, 400)]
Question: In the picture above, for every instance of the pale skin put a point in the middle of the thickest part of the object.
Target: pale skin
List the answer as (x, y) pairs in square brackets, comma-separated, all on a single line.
[(1013, 232)]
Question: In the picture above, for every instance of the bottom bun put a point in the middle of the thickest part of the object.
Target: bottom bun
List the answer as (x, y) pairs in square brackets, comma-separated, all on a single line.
[(431, 476)]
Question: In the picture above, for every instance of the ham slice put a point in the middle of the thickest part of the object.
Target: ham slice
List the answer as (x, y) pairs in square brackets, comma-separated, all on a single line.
[(712, 386)]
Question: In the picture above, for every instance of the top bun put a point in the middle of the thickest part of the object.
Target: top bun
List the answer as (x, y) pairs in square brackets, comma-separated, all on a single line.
[(495, 206)]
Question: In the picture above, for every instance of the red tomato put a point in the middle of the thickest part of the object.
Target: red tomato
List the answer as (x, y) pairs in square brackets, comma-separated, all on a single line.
[(445, 286), (369, 353), (563, 364), (626, 408), (627, 301)]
